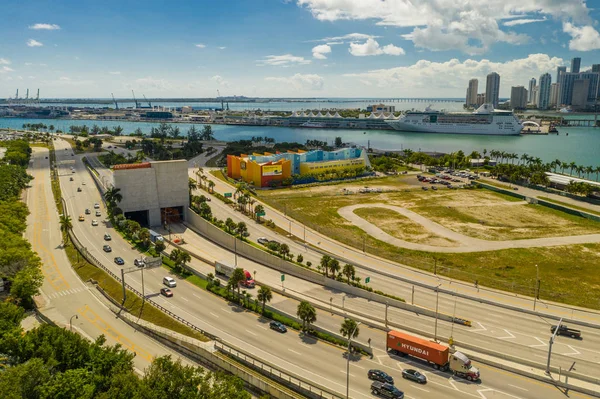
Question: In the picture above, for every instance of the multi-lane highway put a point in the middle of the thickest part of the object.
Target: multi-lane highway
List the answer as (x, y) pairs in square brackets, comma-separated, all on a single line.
[(64, 297), (315, 360)]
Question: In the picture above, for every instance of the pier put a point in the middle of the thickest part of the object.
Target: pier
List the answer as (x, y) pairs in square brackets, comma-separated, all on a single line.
[(581, 122)]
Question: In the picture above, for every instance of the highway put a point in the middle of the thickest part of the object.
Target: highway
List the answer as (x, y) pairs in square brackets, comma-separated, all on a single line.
[(63, 294), (520, 334), (315, 360)]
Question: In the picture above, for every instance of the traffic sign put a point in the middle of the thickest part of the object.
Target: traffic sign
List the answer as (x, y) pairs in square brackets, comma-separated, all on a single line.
[(262, 213), (282, 277), (227, 195), (367, 280)]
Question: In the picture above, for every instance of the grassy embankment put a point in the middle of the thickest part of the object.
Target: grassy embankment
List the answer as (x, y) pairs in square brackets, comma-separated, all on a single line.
[(568, 273), (133, 304)]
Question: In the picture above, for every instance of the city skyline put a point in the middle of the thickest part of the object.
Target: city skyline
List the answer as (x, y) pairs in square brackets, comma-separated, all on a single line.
[(287, 48)]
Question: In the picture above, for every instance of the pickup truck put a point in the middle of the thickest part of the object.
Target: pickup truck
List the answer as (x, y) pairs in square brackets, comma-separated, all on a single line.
[(564, 330), (386, 390)]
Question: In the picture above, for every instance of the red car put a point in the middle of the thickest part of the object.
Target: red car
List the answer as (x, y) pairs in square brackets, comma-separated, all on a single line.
[(166, 292)]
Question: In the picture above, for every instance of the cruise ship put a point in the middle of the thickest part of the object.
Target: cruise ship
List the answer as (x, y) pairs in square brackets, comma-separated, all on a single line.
[(485, 120)]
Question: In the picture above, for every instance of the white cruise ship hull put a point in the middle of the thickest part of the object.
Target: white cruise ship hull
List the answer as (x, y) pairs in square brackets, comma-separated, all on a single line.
[(492, 129)]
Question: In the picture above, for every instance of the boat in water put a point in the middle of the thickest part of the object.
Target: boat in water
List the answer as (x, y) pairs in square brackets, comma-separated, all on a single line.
[(314, 125), (485, 120)]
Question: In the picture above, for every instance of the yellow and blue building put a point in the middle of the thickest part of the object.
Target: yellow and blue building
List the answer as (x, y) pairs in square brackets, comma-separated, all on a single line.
[(262, 169)]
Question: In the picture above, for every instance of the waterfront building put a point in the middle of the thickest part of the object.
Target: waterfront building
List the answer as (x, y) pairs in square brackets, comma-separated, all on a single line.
[(566, 85), (532, 84), (518, 97), (596, 68), (492, 89), (267, 170), (535, 96), (559, 70), (472, 93), (575, 64), (480, 99), (544, 91), (378, 108), (580, 93), (553, 94)]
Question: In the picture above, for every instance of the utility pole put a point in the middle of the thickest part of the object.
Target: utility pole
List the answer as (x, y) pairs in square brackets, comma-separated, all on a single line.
[(387, 305), (550, 346), (437, 297), (348, 361), (235, 249), (536, 294), (124, 290)]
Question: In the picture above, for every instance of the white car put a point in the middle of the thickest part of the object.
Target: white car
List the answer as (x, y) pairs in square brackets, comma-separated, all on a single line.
[(263, 240), (98, 213), (94, 222), (96, 206)]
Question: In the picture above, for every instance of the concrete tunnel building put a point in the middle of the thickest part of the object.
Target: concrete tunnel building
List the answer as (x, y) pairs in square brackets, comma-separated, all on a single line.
[(154, 193)]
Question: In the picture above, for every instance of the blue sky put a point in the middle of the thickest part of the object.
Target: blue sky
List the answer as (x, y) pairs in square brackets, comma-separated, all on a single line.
[(292, 48)]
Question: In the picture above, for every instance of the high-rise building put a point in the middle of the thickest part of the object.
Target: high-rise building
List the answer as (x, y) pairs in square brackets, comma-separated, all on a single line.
[(532, 83), (567, 81), (535, 97), (472, 92), (596, 68), (575, 65), (544, 91), (480, 99), (559, 70), (492, 89), (581, 88), (553, 94), (518, 97)]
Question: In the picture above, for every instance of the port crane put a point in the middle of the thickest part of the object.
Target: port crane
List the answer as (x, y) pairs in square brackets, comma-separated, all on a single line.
[(219, 97), (149, 104), (137, 105), (115, 101)]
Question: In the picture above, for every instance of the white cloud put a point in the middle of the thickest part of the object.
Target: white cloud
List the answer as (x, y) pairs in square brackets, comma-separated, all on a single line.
[(45, 27), (4, 61), (300, 82), (150, 83), (64, 79), (284, 60), (522, 21), (448, 79), (222, 48), (200, 45), (471, 26), (371, 47), (220, 80), (28, 63), (115, 72), (6, 69), (320, 51), (34, 43), (349, 36), (585, 38)]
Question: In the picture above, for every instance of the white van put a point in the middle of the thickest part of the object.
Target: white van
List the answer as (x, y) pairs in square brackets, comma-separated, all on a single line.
[(169, 282)]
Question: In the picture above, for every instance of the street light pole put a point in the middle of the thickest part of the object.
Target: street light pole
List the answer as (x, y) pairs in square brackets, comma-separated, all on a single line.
[(437, 297), (537, 282), (348, 361), (550, 346), (71, 321)]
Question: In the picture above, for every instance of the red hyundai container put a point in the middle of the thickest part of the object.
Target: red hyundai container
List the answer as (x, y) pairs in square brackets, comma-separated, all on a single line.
[(404, 344)]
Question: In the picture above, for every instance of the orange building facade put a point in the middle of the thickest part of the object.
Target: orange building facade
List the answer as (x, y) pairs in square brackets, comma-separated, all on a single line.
[(259, 174)]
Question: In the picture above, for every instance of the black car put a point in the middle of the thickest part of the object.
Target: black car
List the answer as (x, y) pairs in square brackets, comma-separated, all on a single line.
[(119, 260), (277, 326), (107, 248), (386, 390), (381, 376), (414, 375)]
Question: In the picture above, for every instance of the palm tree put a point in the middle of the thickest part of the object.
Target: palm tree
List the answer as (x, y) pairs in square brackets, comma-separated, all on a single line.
[(258, 209), (597, 171), (307, 314), (112, 196), (334, 266), (191, 185), (563, 166), (241, 229), (264, 295), (230, 225), (349, 272), (284, 250), (66, 225), (180, 258), (572, 165), (237, 277), (588, 170), (144, 236), (325, 260), (580, 170), (349, 327), (211, 186)]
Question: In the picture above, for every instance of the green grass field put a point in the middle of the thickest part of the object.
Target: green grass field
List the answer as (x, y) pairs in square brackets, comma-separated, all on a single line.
[(569, 274)]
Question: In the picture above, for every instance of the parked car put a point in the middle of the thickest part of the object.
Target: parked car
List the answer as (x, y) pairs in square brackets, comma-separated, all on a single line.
[(381, 376), (424, 188), (262, 240), (434, 188), (107, 237), (277, 326), (386, 390), (81, 218), (94, 222), (166, 292), (414, 375), (119, 260), (107, 248)]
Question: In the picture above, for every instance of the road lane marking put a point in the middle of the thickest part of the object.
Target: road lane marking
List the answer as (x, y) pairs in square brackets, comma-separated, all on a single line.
[(351, 375), (225, 310), (422, 389), (250, 332), (356, 365), (293, 351), (514, 386), (187, 300), (214, 315), (575, 352), (510, 335)]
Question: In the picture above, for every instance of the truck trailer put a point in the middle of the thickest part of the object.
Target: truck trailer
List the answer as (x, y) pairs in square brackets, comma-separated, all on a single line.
[(226, 269), (435, 354), (154, 236)]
